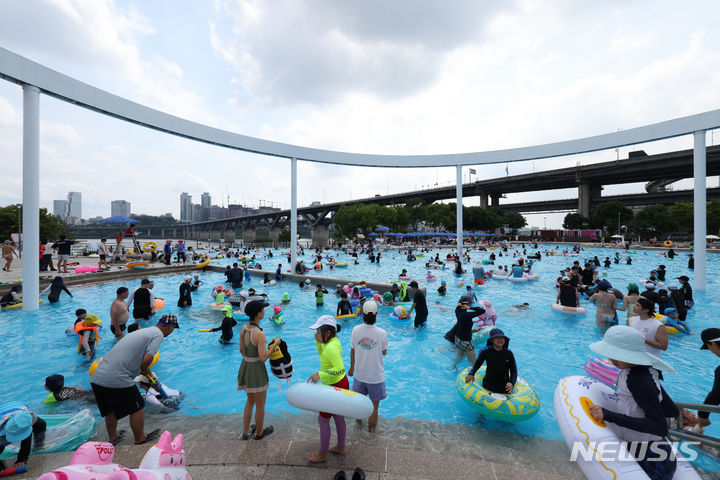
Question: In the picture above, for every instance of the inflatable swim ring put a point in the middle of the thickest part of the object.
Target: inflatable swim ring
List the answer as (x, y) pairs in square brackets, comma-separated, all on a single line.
[(219, 306), (341, 264), (667, 243), (571, 310), (602, 370), (479, 338), (203, 264), (64, 433), (149, 247), (88, 269), (345, 317), (573, 397), (18, 305), (93, 460), (137, 265), (323, 398), (519, 405)]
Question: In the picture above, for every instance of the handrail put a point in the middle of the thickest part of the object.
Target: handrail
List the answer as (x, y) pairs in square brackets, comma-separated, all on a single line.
[(678, 432)]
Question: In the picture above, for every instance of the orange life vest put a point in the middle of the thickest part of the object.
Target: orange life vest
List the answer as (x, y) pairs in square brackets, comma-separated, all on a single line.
[(94, 337)]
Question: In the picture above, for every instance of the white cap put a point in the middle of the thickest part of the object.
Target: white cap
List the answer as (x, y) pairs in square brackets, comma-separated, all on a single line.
[(324, 320), (370, 307), (307, 280)]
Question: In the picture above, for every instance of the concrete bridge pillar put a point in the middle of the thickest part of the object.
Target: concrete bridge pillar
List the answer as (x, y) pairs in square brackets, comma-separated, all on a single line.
[(586, 193), (248, 235), (175, 234), (484, 200), (229, 236), (320, 235), (162, 233), (495, 199), (275, 234), (214, 235)]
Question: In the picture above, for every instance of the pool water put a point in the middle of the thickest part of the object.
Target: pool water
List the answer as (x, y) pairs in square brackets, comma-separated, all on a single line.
[(420, 382)]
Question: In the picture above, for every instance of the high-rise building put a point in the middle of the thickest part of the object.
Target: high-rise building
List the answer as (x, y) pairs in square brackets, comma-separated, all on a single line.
[(205, 204), (119, 208), (205, 200), (198, 213), (186, 207), (74, 206), (60, 208)]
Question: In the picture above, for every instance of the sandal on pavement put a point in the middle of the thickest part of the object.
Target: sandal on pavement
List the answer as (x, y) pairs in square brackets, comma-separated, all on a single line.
[(150, 437), (265, 433), (246, 436), (120, 436)]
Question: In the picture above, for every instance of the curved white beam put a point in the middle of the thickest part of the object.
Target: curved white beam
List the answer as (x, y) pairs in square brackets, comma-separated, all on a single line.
[(18, 69)]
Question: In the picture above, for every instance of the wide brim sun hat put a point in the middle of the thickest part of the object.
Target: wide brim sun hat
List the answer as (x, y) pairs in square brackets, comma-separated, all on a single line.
[(627, 345), (18, 427)]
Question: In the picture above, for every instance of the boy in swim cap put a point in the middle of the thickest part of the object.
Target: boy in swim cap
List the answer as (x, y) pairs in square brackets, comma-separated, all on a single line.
[(227, 325), (442, 290), (55, 384)]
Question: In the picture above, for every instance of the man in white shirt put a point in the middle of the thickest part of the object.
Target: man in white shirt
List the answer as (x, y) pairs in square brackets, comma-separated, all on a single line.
[(368, 345)]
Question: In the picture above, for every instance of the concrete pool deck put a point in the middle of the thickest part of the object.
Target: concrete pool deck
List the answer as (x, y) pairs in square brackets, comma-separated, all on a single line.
[(401, 449)]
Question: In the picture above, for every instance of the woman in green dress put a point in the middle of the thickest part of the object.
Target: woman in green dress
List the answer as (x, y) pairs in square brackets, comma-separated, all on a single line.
[(252, 375)]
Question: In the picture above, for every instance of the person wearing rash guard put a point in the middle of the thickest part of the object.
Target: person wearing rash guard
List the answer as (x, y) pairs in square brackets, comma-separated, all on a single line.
[(13, 297), (419, 305), (55, 384), (226, 327), (567, 295), (144, 299), (185, 299), (711, 341), (442, 289), (332, 372), (19, 424), (343, 306), (464, 314), (640, 403), (501, 372), (686, 290), (56, 287)]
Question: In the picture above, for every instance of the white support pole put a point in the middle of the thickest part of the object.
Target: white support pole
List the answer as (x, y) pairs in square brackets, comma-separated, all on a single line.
[(293, 213), (31, 197), (699, 200), (459, 215)]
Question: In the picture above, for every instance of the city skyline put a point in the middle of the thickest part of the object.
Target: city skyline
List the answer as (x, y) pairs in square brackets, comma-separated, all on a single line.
[(370, 79)]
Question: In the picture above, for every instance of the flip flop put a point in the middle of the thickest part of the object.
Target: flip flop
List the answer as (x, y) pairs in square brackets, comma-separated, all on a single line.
[(358, 474), (120, 436), (267, 431), (246, 436), (150, 437)]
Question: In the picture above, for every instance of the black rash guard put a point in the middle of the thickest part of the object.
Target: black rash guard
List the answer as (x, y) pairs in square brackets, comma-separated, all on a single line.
[(645, 393), (501, 369), (344, 307), (226, 327), (463, 331), (713, 397)]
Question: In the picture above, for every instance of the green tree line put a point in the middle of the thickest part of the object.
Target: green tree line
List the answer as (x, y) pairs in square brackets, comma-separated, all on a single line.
[(350, 220), (50, 226), (653, 220)]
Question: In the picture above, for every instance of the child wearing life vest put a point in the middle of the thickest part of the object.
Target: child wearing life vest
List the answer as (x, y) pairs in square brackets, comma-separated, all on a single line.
[(88, 332), (319, 292)]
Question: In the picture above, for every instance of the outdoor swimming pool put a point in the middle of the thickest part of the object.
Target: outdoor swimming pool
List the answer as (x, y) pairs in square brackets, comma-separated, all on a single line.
[(420, 383)]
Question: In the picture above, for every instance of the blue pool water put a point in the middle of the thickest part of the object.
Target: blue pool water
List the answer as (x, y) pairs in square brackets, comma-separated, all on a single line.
[(420, 382)]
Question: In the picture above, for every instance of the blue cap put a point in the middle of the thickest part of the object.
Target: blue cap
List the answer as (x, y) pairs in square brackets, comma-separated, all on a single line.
[(18, 427)]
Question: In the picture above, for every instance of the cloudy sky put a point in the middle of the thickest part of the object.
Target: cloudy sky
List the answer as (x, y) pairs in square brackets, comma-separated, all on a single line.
[(399, 77)]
